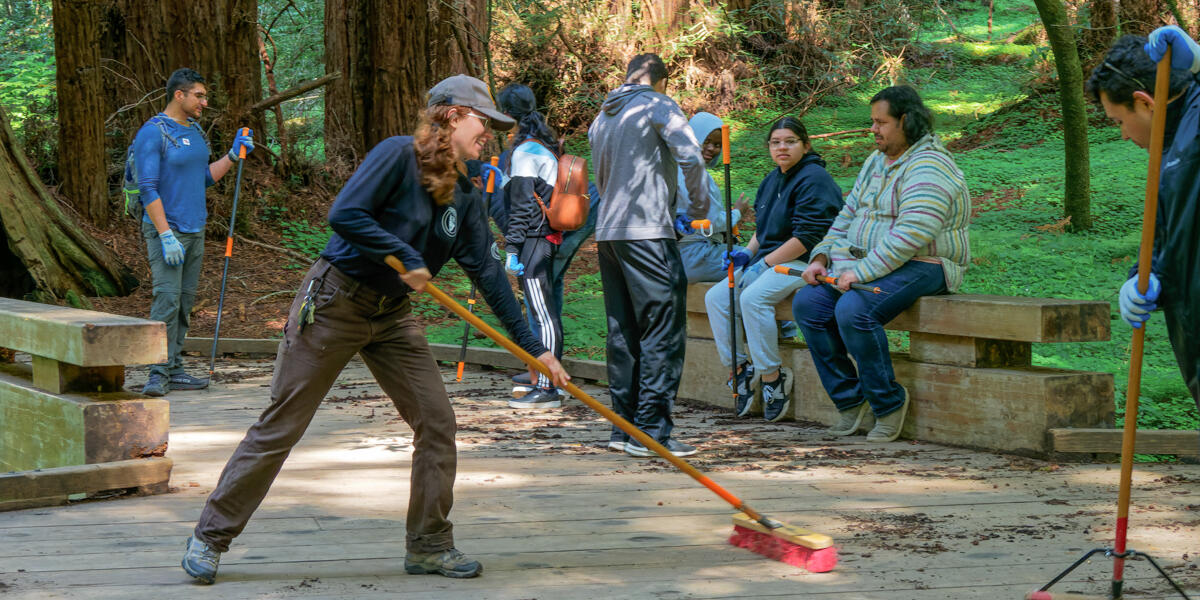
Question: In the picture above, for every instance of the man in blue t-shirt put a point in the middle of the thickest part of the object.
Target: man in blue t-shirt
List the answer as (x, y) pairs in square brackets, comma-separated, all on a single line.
[(171, 155)]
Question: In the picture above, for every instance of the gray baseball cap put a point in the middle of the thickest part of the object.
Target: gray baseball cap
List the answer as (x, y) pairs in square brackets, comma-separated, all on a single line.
[(464, 90)]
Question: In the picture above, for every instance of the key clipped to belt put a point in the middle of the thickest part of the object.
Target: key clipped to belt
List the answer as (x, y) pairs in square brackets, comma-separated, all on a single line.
[(307, 307)]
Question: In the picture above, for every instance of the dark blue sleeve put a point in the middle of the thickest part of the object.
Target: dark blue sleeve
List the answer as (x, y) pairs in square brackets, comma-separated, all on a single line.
[(147, 155), (473, 252), (817, 200), (352, 215)]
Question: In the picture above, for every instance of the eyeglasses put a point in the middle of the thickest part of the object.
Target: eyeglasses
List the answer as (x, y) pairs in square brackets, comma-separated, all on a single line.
[(782, 143), (1112, 68), (487, 122), (201, 96)]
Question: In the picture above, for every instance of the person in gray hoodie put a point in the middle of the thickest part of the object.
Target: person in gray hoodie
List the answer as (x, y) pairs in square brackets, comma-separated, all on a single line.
[(639, 141)]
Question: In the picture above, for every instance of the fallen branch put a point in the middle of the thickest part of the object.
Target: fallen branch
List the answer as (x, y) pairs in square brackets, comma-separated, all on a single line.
[(838, 133), (292, 93), (286, 251)]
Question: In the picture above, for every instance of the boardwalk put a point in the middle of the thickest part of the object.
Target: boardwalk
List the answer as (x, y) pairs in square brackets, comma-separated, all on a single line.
[(553, 515)]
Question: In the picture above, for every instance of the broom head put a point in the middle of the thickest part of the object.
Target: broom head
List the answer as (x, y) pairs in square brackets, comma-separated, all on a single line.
[(798, 547)]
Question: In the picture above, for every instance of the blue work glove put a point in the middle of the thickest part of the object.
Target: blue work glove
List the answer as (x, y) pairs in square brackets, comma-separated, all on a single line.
[(486, 170), (1185, 54), (739, 258), (171, 248), (239, 141), (1135, 308), (513, 265), (684, 225), (756, 268)]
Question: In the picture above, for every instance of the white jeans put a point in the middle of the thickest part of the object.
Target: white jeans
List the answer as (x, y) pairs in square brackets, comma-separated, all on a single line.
[(756, 297)]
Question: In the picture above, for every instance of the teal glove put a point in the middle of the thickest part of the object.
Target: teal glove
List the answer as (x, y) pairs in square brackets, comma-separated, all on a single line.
[(240, 141), (171, 248)]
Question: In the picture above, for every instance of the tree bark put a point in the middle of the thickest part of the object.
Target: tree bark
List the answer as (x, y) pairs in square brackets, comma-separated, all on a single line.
[(390, 54), (81, 156), (44, 254), (1076, 201), (1102, 28), (1138, 17)]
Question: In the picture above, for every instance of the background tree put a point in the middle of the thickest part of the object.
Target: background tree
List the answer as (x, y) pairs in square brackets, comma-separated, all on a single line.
[(390, 54), (82, 160), (1076, 194), (1139, 17), (44, 253)]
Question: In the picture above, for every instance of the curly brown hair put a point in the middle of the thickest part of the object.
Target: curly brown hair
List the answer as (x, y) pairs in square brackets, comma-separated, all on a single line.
[(435, 157)]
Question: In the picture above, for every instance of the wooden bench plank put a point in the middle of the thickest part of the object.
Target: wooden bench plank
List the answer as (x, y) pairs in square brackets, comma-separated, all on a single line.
[(1148, 441), (81, 337), (63, 481), (1039, 320)]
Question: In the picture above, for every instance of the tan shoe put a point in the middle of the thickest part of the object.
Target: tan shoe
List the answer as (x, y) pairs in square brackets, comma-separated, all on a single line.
[(850, 420), (888, 427)]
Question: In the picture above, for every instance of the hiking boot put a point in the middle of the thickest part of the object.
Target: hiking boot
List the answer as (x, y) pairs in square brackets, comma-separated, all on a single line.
[(200, 561), (887, 428), (155, 386), (449, 563), (183, 381), (680, 449), (777, 396), (850, 420), (538, 398), (743, 399)]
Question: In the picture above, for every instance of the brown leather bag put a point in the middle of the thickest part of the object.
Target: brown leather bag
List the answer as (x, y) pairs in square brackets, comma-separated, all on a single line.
[(568, 209)]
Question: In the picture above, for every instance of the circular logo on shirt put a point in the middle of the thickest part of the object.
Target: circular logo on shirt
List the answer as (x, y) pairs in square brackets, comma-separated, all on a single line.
[(450, 222)]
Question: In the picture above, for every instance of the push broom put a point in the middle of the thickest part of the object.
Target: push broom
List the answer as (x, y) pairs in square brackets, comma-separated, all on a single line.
[(1119, 552), (752, 530)]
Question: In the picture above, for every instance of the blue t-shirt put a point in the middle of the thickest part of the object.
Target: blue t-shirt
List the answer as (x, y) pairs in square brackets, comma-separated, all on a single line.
[(178, 177)]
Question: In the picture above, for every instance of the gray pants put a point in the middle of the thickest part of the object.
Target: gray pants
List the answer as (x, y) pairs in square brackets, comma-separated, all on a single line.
[(349, 318), (174, 291)]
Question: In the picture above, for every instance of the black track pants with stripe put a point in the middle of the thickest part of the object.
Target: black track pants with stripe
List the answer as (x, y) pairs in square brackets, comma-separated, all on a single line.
[(544, 313)]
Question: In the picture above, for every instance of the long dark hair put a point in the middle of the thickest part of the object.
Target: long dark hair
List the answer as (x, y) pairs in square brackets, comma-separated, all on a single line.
[(791, 124), (904, 103), (517, 101)]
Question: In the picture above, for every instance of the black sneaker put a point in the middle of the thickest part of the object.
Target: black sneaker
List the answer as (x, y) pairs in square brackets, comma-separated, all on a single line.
[(744, 392), (777, 396), (680, 449), (538, 398), (183, 381), (450, 563), (155, 386)]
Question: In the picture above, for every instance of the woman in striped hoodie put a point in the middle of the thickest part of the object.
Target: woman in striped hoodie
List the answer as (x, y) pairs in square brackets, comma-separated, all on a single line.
[(904, 230)]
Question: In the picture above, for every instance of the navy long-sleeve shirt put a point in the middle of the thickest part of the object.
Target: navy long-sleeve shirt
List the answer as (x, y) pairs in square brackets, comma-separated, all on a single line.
[(801, 204), (383, 209)]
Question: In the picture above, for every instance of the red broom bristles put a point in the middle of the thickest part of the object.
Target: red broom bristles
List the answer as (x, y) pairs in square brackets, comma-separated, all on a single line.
[(816, 561)]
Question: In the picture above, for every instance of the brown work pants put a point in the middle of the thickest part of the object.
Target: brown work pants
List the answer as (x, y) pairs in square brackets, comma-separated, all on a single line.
[(349, 318)]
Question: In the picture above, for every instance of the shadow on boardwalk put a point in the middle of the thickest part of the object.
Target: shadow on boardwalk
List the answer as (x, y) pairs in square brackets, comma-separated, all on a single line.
[(554, 515)]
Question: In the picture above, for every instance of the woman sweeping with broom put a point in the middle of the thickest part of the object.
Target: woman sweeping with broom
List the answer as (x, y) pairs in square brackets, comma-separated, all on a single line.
[(409, 199)]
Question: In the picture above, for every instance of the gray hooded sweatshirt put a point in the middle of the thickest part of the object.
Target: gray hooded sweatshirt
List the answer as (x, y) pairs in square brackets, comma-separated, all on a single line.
[(639, 141)]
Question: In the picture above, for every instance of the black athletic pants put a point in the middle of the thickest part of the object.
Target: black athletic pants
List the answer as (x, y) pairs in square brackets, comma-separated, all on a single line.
[(645, 299), (544, 311)]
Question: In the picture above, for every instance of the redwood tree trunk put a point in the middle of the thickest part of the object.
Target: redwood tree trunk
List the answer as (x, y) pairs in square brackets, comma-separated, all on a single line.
[(390, 54), (1102, 28), (43, 252), (1076, 201), (1139, 17), (81, 157)]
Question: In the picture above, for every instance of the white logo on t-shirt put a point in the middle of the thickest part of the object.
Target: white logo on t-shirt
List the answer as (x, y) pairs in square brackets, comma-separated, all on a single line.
[(186, 142)]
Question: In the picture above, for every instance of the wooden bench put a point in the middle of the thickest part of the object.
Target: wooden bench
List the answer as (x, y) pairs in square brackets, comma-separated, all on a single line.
[(67, 408), (968, 370)]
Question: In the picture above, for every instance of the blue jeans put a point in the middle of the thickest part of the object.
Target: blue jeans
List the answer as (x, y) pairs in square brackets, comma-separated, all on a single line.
[(834, 324)]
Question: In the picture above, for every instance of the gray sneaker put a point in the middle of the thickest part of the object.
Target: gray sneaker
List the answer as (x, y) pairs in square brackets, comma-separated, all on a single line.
[(183, 381), (200, 561), (850, 420), (449, 563), (777, 396), (538, 398), (888, 427), (156, 386), (680, 449)]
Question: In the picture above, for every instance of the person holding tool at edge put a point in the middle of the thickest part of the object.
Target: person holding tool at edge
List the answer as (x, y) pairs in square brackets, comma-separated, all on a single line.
[(409, 200), (794, 207), (703, 251), (1121, 85), (530, 244), (171, 155), (903, 228), (638, 140)]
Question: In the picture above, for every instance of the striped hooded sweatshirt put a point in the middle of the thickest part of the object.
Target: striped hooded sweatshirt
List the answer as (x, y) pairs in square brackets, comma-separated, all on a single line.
[(916, 208)]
